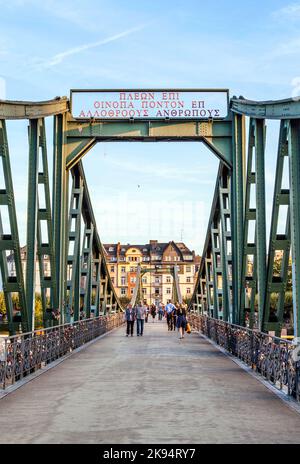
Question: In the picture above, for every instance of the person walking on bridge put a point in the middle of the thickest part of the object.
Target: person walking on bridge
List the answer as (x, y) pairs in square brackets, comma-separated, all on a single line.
[(129, 317), (181, 320), (140, 314), (169, 311), (160, 311), (153, 312)]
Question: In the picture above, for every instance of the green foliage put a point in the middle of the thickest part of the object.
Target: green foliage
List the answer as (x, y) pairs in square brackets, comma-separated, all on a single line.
[(17, 307), (186, 300), (38, 316), (2, 304)]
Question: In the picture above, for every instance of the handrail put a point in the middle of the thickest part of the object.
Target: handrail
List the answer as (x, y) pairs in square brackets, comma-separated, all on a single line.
[(268, 356), (24, 354)]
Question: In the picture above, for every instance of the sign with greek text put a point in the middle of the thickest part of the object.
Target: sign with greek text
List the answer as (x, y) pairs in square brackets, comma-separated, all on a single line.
[(149, 104)]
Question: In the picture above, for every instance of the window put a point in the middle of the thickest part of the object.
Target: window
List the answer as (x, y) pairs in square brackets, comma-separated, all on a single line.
[(111, 249), (144, 291), (168, 291), (188, 280), (157, 281), (132, 269), (188, 269), (123, 291), (168, 280), (123, 269), (144, 280), (188, 291), (123, 281), (112, 268), (157, 291), (132, 280), (131, 291)]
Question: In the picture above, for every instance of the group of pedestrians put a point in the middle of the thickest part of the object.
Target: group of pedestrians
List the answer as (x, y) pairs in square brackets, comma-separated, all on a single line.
[(176, 316), (140, 314)]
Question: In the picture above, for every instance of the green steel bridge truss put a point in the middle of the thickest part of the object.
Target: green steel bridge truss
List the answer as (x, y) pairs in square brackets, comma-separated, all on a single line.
[(79, 278)]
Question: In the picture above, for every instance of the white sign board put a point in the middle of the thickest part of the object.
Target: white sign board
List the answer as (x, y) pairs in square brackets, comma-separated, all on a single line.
[(149, 104)]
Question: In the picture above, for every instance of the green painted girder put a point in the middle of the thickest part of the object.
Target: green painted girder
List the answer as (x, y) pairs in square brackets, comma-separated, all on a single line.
[(73, 259), (45, 248), (176, 296), (32, 218), (137, 292), (273, 109), (260, 217), (82, 136), (238, 207), (225, 236), (215, 270), (294, 169), (249, 249), (96, 276), (10, 242), (278, 242), (60, 192), (86, 268)]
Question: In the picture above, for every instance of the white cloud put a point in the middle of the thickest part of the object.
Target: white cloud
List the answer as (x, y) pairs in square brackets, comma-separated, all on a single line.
[(60, 57), (291, 12)]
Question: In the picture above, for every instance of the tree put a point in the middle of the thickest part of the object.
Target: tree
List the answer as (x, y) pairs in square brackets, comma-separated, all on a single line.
[(2, 304), (38, 312)]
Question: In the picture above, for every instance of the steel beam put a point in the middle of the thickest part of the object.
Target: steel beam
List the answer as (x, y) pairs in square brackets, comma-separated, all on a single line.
[(260, 216), (294, 157), (45, 248), (60, 211), (32, 216), (277, 284), (237, 192), (249, 248), (10, 242)]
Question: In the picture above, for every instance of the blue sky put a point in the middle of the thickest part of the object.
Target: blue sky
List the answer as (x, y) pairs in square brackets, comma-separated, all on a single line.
[(147, 191)]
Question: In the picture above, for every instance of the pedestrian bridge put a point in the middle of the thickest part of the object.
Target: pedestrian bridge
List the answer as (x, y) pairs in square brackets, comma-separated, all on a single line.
[(155, 389)]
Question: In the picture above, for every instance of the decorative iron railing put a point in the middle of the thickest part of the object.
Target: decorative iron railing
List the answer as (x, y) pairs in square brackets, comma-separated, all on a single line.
[(269, 356), (24, 354)]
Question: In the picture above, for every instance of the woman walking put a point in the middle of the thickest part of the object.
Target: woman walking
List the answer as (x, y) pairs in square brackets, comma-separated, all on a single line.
[(153, 311), (129, 317), (181, 321)]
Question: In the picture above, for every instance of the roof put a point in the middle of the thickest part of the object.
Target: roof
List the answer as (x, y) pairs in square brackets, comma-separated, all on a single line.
[(152, 249)]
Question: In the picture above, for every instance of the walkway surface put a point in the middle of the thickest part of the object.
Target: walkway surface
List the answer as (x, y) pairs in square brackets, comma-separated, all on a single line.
[(151, 389)]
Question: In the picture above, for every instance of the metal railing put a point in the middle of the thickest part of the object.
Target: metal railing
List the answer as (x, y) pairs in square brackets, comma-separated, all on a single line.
[(24, 354), (270, 357)]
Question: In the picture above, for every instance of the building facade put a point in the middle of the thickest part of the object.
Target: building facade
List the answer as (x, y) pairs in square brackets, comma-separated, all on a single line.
[(155, 258)]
